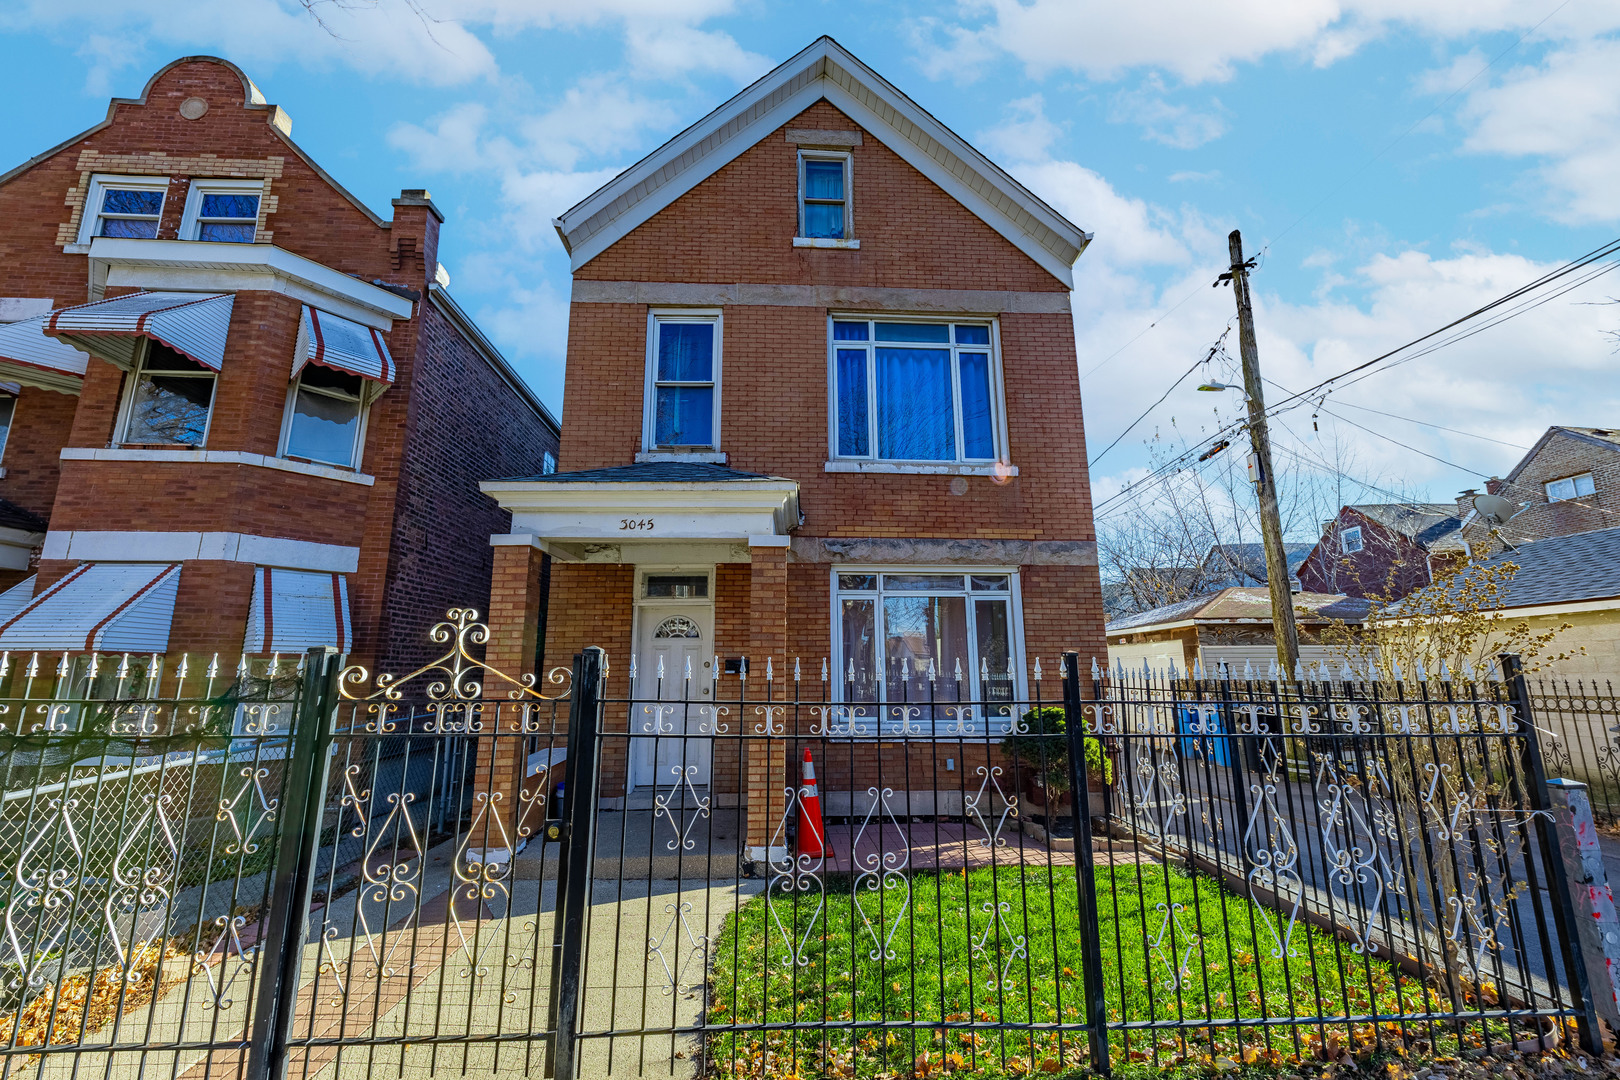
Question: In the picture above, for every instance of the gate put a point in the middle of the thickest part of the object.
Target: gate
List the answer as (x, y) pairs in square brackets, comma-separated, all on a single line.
[(284, 869)]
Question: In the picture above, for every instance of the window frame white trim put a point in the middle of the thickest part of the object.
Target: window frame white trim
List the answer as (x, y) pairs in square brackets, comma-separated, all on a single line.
[(847, 157), (356, 452), (1344, 540), (100, 183), (190, 223), (1574, 487), (683, 570), (1001, 455), (126, 406), (649, 410), (835, 637), (5, 435)]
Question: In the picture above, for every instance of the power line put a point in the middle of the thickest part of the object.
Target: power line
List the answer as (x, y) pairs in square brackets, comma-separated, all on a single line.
[(1424, 423), (1213, 349)]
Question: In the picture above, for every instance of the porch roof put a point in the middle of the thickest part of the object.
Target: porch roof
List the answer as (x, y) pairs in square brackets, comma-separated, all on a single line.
[(650, 511)]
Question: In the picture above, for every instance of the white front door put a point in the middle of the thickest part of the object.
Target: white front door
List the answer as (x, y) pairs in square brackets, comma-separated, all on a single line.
[(674, 655)]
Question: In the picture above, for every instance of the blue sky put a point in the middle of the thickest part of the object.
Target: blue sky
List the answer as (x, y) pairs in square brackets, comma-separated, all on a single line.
[(1399, 162)]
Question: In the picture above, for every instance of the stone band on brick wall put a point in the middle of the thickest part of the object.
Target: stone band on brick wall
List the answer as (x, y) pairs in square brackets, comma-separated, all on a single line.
[(87, 546), (854, 297), (925, 551)]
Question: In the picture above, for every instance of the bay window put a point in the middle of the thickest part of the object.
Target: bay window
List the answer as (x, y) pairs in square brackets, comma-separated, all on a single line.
[(324, 417), (170, 399), (915, 391), (911, 644), (683, 381)]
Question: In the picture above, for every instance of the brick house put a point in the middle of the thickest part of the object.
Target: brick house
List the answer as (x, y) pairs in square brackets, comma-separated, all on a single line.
[(1567, 483), (824, 411), (243, 411), (1383, 550)]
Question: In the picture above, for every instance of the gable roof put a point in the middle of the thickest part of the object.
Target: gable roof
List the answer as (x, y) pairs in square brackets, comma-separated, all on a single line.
[(1426, 523), (824, 70), (1245, 605), (1563, 569), (1596, 438)]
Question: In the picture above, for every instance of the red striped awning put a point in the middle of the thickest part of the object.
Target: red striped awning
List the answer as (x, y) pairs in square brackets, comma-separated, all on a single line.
[(113, 607), (343, 345), (194, 324), (29, 357), (294, 610)]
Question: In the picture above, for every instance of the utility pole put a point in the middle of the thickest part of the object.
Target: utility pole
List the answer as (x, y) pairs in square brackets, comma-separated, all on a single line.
[(1282, 598)]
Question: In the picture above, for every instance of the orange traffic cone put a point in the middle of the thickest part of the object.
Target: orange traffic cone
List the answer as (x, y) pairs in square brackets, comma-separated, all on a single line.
[(812, 834)]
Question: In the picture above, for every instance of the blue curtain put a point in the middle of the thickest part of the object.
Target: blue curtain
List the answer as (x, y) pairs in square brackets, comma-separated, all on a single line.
[(854, 437), (685, 352), (914, 405), (978, 433), (685, 416)]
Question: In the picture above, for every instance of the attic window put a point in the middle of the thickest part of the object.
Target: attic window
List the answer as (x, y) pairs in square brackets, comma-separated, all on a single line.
[(222, 211), (1570, 487), (123, 206), (1350, 540), (824, 203)]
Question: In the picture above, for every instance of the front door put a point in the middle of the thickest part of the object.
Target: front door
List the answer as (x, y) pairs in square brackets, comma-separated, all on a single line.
[(674, 654)]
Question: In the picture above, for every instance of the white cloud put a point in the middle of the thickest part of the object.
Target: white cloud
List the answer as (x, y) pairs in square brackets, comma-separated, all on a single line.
[(660, 49), (1566, 110), (1025, 135), (1180, 126), (1204, 40), (598, 115)]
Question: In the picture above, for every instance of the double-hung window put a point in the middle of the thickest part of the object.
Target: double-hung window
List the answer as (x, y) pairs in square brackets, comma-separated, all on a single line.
[(916, 391), (683, 381), (914, 645), (123, 206), (223, 211), (325, 417), (8, 413), (824, 182), (1570, 487), (1350, 540), (170, 399)]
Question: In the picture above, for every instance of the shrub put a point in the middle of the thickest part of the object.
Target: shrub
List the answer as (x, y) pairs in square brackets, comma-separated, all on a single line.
[(1040, 751)]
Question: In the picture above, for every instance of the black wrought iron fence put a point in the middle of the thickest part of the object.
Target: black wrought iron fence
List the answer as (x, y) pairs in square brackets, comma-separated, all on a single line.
[(1580, 722), (1055, 877), (139, 811)]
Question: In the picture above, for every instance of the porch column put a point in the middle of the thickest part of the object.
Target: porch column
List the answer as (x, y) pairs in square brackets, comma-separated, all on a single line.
[(767, 639), (513, 618)]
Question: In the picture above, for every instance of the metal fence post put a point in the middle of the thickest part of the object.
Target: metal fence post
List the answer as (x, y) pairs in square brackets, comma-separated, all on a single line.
[(574, 865), (1085, 875), (1586, 1021), (281, 953), (1589, 884)]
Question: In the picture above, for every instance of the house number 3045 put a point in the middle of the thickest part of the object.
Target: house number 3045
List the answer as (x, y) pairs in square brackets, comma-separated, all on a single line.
[(632, 524)]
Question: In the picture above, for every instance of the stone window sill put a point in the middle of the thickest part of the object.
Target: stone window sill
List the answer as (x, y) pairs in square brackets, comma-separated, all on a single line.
[(826, 242), (940, 468), (703, 457)]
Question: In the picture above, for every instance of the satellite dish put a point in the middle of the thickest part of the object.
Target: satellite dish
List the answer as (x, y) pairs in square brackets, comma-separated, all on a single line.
[(1494, 509)]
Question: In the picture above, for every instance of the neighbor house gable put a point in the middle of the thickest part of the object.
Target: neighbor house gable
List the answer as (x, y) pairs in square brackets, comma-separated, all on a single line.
[(824, 71)]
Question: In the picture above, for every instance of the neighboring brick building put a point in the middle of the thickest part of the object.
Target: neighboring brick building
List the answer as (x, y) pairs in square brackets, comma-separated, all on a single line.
[(824, 409), (1382, 550), (244, 411), (1568, 482)]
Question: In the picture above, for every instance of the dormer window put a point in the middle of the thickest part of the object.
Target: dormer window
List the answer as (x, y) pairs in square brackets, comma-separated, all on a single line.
[(222, 211), (824, 184), (682, 409), (127, 207)]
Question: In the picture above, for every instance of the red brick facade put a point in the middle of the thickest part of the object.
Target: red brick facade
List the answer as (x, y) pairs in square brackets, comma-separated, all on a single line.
[(738, 226), (453, 415)]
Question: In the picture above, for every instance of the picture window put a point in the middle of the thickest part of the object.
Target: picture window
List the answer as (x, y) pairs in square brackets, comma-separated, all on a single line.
[(916, 391)]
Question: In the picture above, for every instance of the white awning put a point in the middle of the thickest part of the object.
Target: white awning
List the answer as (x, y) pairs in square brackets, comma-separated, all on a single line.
[(342, 344), (16, 598), (294, 610), (194, 324), (29, 357), (110, 607)]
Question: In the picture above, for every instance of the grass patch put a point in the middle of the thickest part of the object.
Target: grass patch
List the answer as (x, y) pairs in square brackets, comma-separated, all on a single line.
[(1002, 947)]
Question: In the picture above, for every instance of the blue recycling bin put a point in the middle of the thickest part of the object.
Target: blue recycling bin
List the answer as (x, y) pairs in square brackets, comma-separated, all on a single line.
[(1203, 736)]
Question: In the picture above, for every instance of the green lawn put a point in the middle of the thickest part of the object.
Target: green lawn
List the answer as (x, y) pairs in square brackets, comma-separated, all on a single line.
[(1001, 946)]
